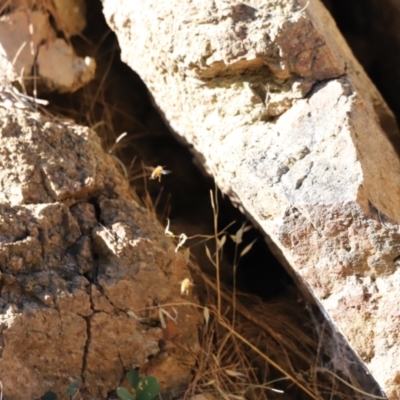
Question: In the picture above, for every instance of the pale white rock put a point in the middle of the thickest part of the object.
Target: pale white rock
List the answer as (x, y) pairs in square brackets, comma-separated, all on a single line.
[(285, 119), (61, 69)]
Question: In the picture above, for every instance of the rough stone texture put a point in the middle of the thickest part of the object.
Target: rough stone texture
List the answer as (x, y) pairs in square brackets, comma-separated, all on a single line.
[(16, 42), (84, 270), (70, 16), (61, 69), (279, 111), (29, 46)]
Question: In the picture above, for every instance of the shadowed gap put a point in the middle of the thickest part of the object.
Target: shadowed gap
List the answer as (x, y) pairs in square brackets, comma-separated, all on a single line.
[(117, 101)]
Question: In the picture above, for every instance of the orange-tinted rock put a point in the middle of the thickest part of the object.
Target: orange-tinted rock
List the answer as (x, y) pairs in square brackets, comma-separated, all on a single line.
[(81, 262)]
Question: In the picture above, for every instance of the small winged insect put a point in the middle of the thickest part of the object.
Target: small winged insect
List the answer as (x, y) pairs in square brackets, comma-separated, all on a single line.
[(157, 172), (186, 284)]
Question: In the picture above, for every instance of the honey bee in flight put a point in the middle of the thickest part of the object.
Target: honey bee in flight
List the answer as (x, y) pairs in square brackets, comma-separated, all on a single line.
[(158, 171), (186, 284)]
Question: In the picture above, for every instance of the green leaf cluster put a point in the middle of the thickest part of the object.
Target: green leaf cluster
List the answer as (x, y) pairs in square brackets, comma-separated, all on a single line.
[(71, 391), (146, 388)]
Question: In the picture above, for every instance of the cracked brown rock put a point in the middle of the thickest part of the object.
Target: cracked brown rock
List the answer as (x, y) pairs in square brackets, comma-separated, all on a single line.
[(85, 270), (282, 115)]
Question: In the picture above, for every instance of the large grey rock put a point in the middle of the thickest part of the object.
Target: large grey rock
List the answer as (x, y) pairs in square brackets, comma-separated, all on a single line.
[(282, 115)]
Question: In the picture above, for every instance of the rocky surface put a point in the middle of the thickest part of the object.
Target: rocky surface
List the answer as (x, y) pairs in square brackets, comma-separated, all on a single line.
[(31, 46), (86, 273), (281, 114)]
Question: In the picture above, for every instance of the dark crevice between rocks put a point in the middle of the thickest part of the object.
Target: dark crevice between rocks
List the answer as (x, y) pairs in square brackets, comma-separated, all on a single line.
[(88, 341), (117, 101), (371, 28), (97, 210), (85, 351)]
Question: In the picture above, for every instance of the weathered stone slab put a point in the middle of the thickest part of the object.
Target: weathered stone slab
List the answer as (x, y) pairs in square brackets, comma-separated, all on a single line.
[(282, 115)]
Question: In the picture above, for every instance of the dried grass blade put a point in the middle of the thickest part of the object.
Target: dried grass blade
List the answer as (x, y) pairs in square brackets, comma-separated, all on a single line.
[(247, 248)]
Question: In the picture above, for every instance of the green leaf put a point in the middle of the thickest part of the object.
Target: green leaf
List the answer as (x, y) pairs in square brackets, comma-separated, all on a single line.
[(132, 377), (73, 388), (124, 394), (49, 396), (147, 388)]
